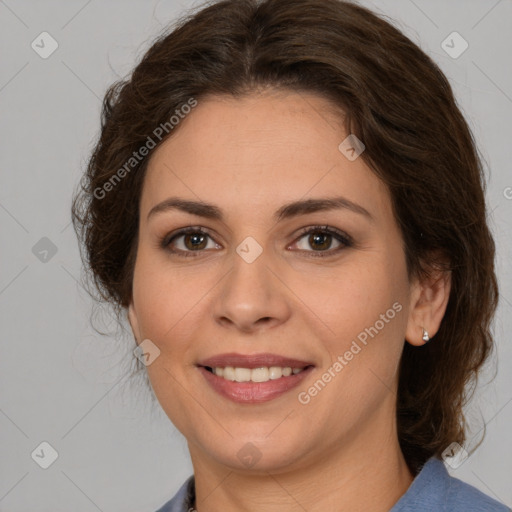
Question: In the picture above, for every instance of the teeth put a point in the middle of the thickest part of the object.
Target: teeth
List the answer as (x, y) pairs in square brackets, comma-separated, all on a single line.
[(262, 374), (242, 374)]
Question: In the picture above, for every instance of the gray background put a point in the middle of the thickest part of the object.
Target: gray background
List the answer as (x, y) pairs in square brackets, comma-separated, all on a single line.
[(65, 384)]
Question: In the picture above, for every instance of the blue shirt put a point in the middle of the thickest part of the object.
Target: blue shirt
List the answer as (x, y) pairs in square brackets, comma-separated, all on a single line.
[(433, 490)]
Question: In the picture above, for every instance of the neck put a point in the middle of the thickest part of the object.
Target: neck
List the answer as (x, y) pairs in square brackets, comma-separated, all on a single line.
[(368, 473)]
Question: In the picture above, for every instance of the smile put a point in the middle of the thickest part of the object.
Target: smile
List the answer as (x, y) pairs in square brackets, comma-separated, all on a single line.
[(263, 374)]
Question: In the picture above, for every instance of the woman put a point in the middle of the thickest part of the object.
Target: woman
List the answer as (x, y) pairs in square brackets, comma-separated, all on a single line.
[(288, 205)]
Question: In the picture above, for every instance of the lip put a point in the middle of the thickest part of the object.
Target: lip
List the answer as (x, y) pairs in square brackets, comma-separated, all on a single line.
[(253, 361), (253, 392)]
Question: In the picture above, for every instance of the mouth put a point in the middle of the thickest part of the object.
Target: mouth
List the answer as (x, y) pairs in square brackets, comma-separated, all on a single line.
[(255, 378), (262, 374)]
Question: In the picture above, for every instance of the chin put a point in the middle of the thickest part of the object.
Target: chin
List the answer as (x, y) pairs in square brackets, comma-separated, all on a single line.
[(250, 454)]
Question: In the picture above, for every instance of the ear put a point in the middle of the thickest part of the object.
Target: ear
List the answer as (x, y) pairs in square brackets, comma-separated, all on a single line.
[(134, 323), (429, 299)]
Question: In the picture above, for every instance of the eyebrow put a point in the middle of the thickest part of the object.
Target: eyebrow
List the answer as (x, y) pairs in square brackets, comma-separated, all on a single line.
[(293, 209)]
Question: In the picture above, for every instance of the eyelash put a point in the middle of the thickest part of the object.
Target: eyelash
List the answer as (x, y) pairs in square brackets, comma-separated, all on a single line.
[(341, 237)]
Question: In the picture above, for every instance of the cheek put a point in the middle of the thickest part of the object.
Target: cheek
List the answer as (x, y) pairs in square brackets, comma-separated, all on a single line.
[(169, 300), (366, 311), (364, 306), (167, 304), (353, 297)]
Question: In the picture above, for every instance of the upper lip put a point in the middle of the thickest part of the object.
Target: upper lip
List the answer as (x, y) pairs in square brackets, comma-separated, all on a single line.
[(252, 361)]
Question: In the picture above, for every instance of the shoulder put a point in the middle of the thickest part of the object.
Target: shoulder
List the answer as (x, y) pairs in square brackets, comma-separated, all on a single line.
[(182, 501), (462, 496), (435, 489)]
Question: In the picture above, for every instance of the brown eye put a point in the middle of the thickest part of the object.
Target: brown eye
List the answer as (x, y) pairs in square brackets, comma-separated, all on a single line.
[(194, 241), (187, 241), (320, 239)]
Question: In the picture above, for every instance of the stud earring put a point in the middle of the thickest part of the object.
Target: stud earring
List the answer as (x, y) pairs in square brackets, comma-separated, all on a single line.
[(425, 336)]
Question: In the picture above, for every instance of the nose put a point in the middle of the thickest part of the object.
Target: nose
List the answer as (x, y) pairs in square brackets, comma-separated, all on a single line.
[(252, 297)]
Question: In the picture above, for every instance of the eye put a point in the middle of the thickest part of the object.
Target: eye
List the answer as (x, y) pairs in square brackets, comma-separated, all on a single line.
[(321, 239), (190, 240), (194, 240)]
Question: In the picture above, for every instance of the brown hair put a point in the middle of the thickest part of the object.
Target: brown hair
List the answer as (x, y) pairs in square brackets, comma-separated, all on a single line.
[(397, 102)]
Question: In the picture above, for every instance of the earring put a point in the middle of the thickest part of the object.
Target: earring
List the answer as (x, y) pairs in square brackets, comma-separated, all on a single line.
[(425, 336)]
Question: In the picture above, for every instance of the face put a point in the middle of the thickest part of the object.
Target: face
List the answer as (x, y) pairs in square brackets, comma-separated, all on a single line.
[(254, 289)]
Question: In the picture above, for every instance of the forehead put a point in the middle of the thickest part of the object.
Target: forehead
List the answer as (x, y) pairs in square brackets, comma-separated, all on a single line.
[(261, 149)]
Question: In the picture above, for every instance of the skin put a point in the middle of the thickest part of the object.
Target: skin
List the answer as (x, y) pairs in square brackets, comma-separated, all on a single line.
[(250, 156)]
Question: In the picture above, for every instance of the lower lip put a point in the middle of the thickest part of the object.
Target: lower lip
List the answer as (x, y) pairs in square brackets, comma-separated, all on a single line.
[(254, 392)]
